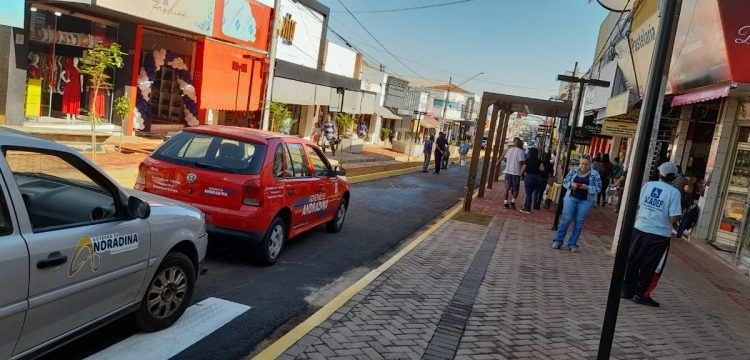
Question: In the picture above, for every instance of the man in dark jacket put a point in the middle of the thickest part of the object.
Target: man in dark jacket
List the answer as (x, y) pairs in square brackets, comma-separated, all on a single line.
[(440, 147)]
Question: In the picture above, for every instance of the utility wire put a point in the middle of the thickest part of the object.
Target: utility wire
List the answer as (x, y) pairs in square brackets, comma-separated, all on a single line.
[(599, 57), (408, 9), (378, 41)]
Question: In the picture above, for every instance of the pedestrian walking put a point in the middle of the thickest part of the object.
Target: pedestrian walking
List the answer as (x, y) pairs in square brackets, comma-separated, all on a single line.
[(441, 144), (583, 184), (534, 172), (658, 208), (605, 173), (446, 155), (463, 151), (514, 158), (329, 134), (427, 151)]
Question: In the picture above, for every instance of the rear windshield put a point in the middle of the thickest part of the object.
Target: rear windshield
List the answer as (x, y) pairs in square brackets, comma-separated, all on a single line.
[(212, 153)]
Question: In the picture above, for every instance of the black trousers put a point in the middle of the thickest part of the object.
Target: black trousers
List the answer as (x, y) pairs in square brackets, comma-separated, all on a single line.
[(646, 260), (438, 161)]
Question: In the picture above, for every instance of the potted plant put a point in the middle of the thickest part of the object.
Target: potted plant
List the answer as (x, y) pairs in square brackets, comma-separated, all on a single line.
[(384, 133)]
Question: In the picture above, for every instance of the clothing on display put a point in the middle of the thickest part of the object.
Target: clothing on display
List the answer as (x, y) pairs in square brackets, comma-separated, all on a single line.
[(71, 76)]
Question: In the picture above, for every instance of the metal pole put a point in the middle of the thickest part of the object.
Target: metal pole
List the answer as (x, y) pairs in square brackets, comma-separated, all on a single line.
[(472, 177), (651, 104), (271, 64), (488, 150), (572, 128)]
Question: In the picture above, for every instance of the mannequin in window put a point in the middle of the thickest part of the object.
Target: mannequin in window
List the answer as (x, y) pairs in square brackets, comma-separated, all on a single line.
[(71, 101), (34, 71)]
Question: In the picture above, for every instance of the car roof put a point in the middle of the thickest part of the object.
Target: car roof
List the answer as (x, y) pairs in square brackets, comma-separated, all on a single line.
[(12, 138), (239, 133)]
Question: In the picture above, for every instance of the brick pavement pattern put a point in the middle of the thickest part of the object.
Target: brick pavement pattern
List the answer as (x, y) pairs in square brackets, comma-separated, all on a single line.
[(533, 303)]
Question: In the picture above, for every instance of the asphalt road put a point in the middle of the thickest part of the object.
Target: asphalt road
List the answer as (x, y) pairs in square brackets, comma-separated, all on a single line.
[(311, 270)]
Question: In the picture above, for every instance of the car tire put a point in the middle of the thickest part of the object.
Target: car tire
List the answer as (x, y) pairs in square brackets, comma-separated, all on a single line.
[(168, 293), (267, 252), (337, 222)]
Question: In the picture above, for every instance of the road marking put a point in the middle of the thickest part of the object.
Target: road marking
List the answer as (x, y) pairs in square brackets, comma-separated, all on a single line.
[(276, 349), (197, 322)]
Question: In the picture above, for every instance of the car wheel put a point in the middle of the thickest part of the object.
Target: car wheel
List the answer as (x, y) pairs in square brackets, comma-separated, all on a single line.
[(267, 252), (337, 222), (168, 294)]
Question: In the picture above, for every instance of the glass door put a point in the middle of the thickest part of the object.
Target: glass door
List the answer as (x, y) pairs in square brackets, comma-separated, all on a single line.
[(732, 233)]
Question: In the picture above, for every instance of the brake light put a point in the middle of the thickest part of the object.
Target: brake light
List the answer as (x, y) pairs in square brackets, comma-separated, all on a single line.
[(252, 193), (140, 181)]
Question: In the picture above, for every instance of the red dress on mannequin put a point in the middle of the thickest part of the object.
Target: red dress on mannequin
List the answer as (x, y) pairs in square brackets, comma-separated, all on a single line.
[(71, 101)]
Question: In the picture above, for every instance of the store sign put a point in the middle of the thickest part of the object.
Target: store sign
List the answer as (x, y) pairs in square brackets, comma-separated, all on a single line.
[(11, 13), (246, 22), (617, 128), (618, 105), (736, 22), (642, 42), (196, 16), (590, 127), (700, 57)]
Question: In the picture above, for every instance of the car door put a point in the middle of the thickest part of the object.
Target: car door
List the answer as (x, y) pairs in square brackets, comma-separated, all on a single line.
[(14, 262), (299, 187), (87, 259), (325, 183)]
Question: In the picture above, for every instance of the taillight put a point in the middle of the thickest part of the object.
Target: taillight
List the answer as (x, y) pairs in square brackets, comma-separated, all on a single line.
[(252, 193), (140, 181)]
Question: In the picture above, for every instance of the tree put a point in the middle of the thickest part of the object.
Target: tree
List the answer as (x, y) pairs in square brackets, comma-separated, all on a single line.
[(279, 115), (344, 122), (122, 109), (95, 64)]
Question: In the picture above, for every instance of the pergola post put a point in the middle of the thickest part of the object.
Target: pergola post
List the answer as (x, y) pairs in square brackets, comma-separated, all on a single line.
[(503, 135), (474, 163), (488, 149)]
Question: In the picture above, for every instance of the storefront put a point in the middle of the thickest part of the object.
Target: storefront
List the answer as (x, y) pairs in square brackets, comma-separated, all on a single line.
[(56, 90)]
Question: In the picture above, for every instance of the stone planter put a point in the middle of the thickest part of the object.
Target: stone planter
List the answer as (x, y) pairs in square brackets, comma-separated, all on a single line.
[(353, 146), (407, 148)]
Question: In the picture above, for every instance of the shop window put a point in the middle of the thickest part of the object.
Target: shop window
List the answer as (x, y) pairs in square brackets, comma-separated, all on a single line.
[(55, 86)]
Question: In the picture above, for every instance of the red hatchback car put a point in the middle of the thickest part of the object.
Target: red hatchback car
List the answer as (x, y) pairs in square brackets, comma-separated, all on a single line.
[(254, 186)]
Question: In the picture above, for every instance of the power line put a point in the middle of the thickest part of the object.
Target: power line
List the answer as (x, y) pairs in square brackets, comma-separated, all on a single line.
[(409, 8), (376, 39), (599, 57)]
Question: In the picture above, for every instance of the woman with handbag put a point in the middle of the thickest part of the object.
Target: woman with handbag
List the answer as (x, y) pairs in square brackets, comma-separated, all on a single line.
[(535, 180), (583, 184)]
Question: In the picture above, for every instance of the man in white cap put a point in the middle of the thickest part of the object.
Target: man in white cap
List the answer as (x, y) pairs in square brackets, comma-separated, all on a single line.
[(658, 208)]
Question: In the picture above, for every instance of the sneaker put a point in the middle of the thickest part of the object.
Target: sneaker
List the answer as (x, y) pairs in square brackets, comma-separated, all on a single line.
[(513, 205), (647, 301), (506, 204), (526, 211), (626, 295), (573, 249), (556, 246)]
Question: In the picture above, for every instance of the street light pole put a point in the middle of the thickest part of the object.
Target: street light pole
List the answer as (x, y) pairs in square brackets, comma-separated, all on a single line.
[(576, 114), (650, 110)]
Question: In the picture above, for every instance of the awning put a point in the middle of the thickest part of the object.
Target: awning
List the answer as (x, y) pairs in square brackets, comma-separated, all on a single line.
[(293, 92), (707, 94), (430, 122), (367, 105), (231, 77), (385, 113)]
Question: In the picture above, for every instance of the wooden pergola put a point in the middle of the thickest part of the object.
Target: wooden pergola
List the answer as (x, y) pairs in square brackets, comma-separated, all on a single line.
[(502, 107)]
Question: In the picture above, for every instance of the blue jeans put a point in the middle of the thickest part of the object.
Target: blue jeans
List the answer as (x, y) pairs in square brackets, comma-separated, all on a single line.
[(573, 210), (426, 162)]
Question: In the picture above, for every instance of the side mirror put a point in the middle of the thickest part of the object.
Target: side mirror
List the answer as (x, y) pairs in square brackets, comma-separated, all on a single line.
[(138, 208), (337, 172)]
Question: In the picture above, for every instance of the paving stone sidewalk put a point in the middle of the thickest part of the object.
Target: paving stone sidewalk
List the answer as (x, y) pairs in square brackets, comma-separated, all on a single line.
[(500, 292)]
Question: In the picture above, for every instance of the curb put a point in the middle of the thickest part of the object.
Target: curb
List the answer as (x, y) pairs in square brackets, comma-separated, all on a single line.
[(278, 347), (382, 175)]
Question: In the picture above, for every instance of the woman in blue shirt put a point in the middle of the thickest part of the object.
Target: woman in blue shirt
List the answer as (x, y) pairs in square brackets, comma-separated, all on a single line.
[(583, 184)]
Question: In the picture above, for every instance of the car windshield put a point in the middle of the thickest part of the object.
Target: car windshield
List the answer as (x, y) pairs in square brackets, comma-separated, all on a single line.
[(213, 152)]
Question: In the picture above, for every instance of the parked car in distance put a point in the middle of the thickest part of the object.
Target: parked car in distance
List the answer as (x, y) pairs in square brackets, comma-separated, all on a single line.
[(258, 188), (77, 251)]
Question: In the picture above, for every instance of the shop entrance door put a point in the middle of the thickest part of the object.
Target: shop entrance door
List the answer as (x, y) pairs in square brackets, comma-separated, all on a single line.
[(733, 233)]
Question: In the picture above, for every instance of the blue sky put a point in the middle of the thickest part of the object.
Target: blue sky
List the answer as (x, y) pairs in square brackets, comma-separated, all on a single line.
[(520, 45)]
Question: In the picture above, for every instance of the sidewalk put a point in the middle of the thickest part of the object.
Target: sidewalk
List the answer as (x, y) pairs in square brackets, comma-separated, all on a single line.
[(487, 285)]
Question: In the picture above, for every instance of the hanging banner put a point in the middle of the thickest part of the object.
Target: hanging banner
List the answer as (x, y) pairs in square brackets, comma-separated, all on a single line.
[(194, 16)]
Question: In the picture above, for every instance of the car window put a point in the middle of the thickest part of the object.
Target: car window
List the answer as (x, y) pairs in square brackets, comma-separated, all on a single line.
[(6, 226), (278, 162), (320, 165), (57, 193), (212, 152), (298, 160)]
